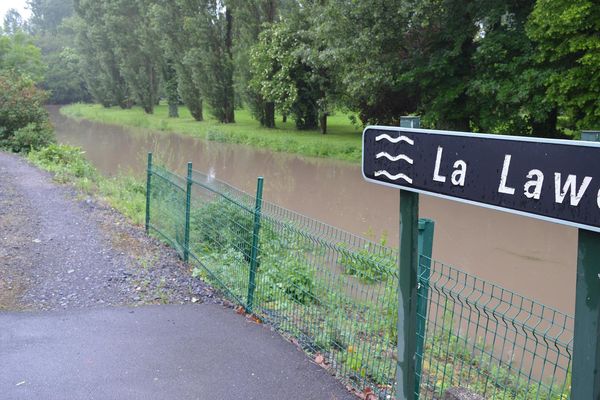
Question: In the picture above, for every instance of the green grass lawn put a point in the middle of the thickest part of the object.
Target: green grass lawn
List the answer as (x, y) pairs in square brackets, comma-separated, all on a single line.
[(343, 140)]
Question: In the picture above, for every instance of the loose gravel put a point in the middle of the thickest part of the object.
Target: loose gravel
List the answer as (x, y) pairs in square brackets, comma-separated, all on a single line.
[(60, 250)]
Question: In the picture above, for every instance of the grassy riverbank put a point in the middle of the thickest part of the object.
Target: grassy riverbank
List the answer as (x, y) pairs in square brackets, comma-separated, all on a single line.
[(342, 142)]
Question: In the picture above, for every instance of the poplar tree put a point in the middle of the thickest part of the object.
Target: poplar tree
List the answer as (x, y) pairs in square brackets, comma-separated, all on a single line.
[(98, 62), (136, 47), (568, 43), (252, 17), (169, 18)]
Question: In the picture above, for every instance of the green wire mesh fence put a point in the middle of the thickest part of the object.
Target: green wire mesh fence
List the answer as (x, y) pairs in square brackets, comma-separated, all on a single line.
[(336, 295)]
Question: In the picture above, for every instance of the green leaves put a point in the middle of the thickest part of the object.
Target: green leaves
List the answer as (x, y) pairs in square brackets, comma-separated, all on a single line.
[(19, 54), (566, 33)]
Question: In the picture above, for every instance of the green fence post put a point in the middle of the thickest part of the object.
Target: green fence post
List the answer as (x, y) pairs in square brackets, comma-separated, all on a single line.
[(188, 201), (407, 295), (148, 188), (426, 228), (255, 243), (585, 382)]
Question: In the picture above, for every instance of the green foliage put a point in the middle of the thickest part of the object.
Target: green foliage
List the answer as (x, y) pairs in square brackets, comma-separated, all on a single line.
[(52, 27), (366, 264), (252, 17), (222, 224), (284, 268), (566, 35), (32, 137), (167, 18), (13, 22), (63, 79), (18, 54), (210, 59), (21, 104), (135, 44), (68, 164), (289, 70), (368, 48), (222, 232), (48, 15), (99, 61)]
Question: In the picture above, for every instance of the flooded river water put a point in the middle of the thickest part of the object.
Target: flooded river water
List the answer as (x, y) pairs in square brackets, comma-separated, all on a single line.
[(534, 258)]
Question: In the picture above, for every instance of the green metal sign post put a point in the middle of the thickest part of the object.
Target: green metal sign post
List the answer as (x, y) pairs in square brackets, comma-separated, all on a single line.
[(188, 203), (426, 228), (585, 383), (255, 244), (148, 183), (407, 295)]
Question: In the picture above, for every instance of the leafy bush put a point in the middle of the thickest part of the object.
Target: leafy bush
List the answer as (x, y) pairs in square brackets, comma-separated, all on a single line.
[(365, 264), (285, 273), (33, 136), (66, 162), (221, 224), (21, 104)]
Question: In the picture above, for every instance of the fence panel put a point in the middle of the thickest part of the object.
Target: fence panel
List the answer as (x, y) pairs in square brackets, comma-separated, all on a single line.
[(492, 341), (336, 295)]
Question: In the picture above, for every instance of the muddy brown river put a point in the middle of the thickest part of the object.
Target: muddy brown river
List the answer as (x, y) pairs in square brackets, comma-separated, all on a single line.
[(534, 258)]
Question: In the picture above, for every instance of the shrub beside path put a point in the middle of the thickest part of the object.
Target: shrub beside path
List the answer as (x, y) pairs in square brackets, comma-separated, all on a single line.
[(90, 307)]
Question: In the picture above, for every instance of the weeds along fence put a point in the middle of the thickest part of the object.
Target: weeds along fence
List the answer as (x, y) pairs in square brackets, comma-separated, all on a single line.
[(336, 295)]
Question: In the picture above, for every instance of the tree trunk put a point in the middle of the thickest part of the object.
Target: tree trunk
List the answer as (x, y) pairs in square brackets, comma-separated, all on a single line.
[(284, 118), (196, 110), (148, 108), (269, 114), (461, 125), (323, 123), (173, 112), (229, 105), (547, 127)]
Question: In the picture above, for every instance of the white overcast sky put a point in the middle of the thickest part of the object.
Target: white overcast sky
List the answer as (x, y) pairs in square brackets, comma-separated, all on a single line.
[(19, 5)]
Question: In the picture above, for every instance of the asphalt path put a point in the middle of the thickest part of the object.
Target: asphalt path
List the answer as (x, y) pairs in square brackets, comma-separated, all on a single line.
[(200, 351)]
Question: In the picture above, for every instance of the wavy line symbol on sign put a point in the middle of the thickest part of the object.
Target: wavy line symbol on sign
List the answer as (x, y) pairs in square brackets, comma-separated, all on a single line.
[(399, 139), (393, 177), (399, 157), (390, 157)]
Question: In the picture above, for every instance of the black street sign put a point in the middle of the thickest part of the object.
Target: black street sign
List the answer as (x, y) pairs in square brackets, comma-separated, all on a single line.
[(555, 180)]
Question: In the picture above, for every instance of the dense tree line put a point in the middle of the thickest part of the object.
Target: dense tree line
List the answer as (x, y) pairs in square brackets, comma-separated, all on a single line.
[(507, 66)]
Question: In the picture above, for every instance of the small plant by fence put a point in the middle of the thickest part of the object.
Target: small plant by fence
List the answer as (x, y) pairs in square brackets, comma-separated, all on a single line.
[(336, 295)]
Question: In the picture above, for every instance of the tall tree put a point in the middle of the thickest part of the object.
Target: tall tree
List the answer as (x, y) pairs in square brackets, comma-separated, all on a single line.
[(13, 22), (507, 85), (169, 18), (136, 47), (252, 17), (210, 59), (288, 68), (53, 28), (443, 65), (47, 15), (19, 54), (566, 34), (369, 46), (99, 63)]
